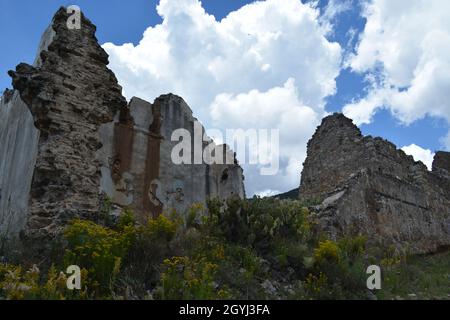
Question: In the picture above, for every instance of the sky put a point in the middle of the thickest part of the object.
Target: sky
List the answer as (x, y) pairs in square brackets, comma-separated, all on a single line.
[(274, 64)]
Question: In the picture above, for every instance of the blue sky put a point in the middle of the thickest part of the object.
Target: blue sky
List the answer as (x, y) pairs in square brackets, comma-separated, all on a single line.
[(119, 22), (23, 22)]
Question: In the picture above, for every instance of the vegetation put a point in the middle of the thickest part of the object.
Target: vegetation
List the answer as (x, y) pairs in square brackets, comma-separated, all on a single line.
[(242, 249), (420, 277)]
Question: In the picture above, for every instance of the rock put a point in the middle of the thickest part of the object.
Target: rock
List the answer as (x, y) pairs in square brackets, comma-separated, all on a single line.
[(332, 199), (269, 288), (441, 164), (369, 187)]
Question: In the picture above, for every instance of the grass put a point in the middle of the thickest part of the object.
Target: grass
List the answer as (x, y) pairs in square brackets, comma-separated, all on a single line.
[(425, 277)]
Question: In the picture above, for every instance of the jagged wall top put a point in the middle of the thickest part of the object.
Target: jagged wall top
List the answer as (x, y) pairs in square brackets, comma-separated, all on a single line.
[(367, 186), (70, 92), (73, 62), (338, 149)]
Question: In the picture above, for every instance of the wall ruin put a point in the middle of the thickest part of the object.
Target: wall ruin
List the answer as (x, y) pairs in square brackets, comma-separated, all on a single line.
[(69, 141), (367, 186)]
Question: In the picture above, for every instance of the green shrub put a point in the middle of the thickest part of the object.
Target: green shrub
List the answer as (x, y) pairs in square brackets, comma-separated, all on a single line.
[(161, 228), (327, 252), (99, 250), (316, 286), (237, 249), (228, 220), (19, 284), (154, 242), (343, 263), (194, 216), (353, 247), (189, 279)]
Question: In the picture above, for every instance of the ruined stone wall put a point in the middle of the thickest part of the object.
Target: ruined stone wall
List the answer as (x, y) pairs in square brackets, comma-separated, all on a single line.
[(338, 149), (368, 187), (441, 164), (329, 161), (69, 140), (184, 184), (70, 92), (147, 179)]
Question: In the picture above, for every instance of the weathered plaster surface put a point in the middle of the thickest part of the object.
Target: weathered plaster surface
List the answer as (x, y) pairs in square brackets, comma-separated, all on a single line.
[(18, 149), (137, 167)]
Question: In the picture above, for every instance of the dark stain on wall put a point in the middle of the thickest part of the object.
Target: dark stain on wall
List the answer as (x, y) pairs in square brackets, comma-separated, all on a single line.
[(123, 148), (151, 201)]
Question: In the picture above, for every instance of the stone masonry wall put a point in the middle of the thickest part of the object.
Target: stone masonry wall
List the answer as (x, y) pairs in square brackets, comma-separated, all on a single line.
[(69, 140), (368, 187), (70, 93)]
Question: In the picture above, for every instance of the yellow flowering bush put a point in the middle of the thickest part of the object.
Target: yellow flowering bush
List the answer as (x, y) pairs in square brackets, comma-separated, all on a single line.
[(236, 249), (19, 284), (99, 250), (161, 228), (315, 284), (391, 257), (186, 278), (218, 253), (327, 252)]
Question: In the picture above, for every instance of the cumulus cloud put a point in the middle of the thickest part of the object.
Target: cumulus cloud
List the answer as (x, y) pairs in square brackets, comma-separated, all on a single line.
[(276, 109), (266, 65), (405, 50), (420, 154), (446, 141)]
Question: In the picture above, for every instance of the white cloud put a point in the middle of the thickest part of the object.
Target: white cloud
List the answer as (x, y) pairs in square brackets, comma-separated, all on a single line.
[(336, 7), (446, 141), (405, 48), (266, 65), (268, 193), (362, 111), (420, 154), (277, 108)]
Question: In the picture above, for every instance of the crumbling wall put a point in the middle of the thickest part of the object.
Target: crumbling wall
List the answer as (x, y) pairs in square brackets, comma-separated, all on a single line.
[(441, 164), (329, 162), (368, 187), (129, 160), (145, 178), (338, 149), (18, 149), (69, 140), (70, 93), (184, 184)]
